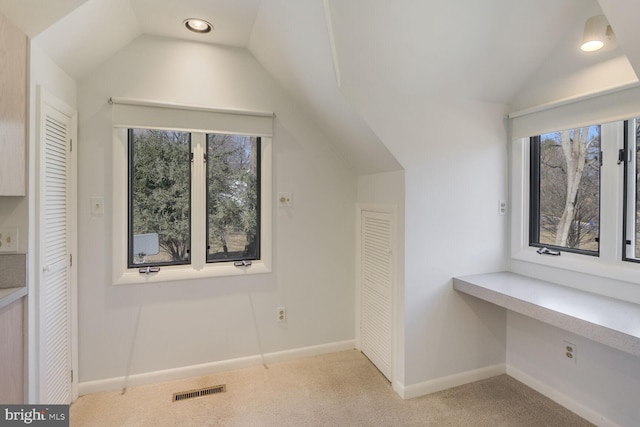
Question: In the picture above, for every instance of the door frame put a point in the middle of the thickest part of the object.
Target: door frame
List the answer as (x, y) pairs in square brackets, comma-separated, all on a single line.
[(395, 297), (34, 352)]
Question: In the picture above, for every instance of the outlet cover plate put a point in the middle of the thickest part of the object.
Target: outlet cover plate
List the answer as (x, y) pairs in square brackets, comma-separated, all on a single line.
[(282, 314), (285, 199), (9, 239), (570, 352)]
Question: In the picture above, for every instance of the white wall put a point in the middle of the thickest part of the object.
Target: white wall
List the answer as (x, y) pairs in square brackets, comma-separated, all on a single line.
[(382, 188), (171, 325), (553, 84), (13, 213), (455, 161), (604, 383)]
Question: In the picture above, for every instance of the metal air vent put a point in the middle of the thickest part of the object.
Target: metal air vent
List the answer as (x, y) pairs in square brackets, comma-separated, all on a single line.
[(191, 394)]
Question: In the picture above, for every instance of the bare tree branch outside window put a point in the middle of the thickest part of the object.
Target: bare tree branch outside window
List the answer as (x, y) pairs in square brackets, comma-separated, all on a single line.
[(569, 205)]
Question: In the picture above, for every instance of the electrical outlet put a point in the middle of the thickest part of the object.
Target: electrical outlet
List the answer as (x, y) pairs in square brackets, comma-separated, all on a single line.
[(282, 314), (8, 239), (570, 352), (502, 207), (285, 200)]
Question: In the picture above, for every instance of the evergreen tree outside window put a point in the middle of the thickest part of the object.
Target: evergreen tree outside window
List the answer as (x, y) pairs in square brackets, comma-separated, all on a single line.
[(161, 207), (159, 197), (233, 209)]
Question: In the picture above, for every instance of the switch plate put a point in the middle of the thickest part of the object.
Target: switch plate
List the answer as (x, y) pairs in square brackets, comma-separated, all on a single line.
[(285, 199), (97, 206), (9, 239)]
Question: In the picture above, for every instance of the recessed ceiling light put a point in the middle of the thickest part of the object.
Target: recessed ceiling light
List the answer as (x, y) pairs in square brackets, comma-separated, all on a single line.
[(198, 25)]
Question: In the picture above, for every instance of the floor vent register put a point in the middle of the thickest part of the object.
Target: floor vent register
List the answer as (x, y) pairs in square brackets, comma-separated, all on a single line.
[(192, 394)]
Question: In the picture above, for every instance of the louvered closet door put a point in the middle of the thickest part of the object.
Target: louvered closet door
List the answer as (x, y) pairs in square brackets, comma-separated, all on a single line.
[(55, 322), (377, 286)]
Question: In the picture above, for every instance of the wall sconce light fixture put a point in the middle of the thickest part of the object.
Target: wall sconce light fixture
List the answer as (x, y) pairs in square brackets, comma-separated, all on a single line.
[(596, 32)]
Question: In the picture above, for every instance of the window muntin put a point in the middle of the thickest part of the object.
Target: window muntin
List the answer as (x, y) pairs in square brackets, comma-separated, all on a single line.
[(631, 153), (565, 190), (159, 231), (160, 204), (233, 197), (133, 114)]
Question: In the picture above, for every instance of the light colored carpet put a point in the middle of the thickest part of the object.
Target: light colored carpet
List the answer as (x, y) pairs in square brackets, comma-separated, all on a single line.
[(339, 389)]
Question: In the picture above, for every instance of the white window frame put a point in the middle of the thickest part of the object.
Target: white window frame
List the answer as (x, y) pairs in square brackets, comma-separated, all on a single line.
[(632, 188), (199, 121), (609, 263)]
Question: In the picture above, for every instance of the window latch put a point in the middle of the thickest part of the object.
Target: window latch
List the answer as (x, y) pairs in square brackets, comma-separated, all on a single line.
[(148, 270), (243, 263), (621, 155), (547, 251)]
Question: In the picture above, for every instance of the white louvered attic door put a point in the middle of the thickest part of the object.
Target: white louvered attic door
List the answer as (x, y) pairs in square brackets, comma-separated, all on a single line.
[(54, 293), (377, 281)]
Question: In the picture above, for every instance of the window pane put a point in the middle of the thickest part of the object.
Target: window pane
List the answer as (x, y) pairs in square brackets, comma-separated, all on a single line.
[(159, 197), (565, 189), (233, 210), (632, 185), (637, 189)]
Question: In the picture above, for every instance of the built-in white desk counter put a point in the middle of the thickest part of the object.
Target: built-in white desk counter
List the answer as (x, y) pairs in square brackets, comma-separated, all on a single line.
[(9, 295), (609, 321)]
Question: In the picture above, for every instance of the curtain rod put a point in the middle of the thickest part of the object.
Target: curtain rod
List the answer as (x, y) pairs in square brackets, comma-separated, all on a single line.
[(161, 104)]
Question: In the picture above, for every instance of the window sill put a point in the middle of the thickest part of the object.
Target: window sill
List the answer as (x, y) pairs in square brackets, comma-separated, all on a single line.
[(180, 273), (609, 321), (621, 270)]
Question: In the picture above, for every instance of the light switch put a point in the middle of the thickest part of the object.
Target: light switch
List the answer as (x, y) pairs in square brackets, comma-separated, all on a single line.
[(97, 206)]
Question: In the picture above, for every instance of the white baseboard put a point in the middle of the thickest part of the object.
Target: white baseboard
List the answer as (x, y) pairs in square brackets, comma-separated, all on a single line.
[(443, 383), (560, 398), (119, 383)]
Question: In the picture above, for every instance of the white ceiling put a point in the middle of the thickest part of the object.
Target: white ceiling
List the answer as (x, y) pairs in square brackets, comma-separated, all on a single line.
[(232, 19), (34, 16), (317, 50), (623, 17), (81, 34), (290, 39), (482, 50)]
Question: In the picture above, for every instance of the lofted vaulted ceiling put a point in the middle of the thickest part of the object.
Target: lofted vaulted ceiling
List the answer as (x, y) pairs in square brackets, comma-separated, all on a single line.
[(496, 51)]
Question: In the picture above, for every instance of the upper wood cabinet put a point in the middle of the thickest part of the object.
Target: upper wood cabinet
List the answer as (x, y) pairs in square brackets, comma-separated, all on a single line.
[(13, 109)]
